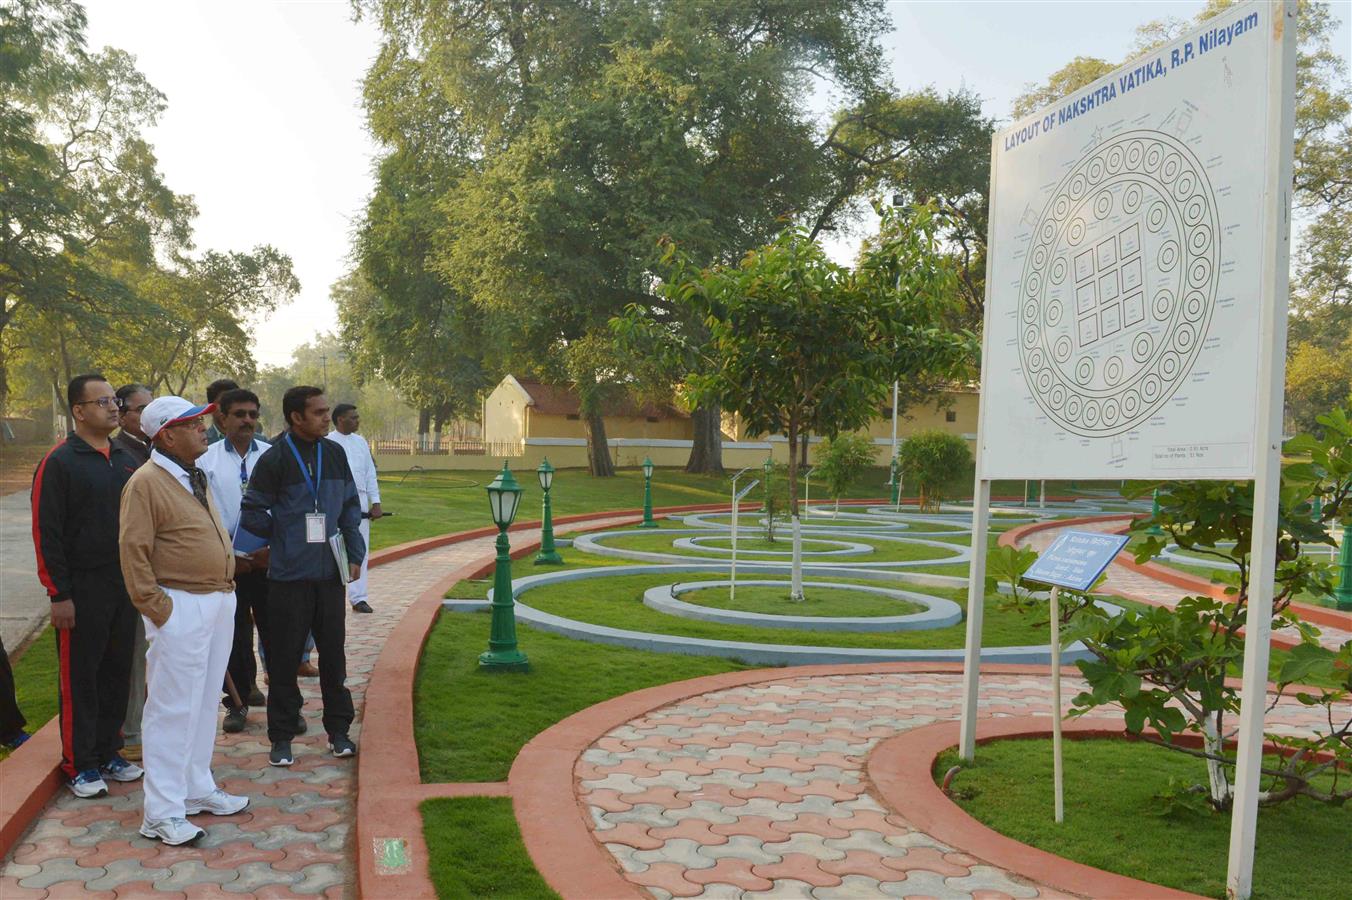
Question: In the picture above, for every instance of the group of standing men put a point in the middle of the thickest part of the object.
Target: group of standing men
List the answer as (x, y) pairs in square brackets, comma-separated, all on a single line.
[(163, 550)]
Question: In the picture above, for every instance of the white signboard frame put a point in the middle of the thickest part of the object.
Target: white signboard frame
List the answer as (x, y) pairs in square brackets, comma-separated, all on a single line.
[(1125, 247), (1217, 412)]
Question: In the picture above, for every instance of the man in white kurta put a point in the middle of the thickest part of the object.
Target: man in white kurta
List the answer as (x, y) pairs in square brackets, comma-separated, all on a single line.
[(346, 421)]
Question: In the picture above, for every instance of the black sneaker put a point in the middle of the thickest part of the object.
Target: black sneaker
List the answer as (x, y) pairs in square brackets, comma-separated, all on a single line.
[(281, 754), (301, 727), (256, 698), (362, 606), (234, 720), (341, 745)]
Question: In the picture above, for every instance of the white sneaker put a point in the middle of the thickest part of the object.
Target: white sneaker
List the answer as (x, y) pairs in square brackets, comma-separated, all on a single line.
[(217, 803), (88, 784), (173, 832)]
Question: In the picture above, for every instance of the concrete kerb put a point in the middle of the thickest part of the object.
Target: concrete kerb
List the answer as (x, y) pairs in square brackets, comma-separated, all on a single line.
[(594, 543), (938, 612), (746, 651)]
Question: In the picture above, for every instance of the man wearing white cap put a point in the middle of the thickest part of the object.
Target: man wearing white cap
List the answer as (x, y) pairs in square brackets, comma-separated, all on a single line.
[(179, 566)]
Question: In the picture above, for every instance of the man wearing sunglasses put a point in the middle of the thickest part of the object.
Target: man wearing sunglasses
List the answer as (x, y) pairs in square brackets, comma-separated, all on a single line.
[(229, 463), (179, 568), (76, 491)]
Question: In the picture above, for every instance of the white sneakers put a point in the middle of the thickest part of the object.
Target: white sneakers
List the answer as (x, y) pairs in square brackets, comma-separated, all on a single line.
[(176, 832), (173, 832), (218, 803)]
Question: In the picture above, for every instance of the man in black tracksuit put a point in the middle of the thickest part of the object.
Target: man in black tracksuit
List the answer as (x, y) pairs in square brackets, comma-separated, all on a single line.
[(300, 494), (77, 490)]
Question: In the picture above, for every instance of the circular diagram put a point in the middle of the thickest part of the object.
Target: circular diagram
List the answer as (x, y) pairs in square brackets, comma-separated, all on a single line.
[(1119, 284)]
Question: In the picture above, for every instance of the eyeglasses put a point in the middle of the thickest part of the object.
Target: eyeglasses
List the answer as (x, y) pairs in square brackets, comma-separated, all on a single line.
[(104, 402), (198, 423), (136, 409)]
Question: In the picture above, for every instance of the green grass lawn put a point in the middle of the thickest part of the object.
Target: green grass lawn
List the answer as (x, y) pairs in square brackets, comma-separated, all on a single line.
[(618, 603), (469, 725), (475, 850), (1113, 822), (885, 550), (35, 682), (819, 601)]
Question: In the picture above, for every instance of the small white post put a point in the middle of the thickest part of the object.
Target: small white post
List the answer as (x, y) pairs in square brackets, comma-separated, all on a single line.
[(1057, 771), (1042, 496), (732, 585)]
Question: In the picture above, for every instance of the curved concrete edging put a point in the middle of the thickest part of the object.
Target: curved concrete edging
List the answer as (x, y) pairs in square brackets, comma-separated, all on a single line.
[(746, 651), (901, 770), (938, 612), (592, 543)]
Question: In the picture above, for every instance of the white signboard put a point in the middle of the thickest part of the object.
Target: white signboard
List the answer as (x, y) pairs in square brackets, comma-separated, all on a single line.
[(1126, 251)]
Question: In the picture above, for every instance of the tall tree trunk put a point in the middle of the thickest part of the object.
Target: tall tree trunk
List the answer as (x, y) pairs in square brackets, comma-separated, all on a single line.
[(706, 456), (802, 452), (598, 450), (424, 425), (4, 382)]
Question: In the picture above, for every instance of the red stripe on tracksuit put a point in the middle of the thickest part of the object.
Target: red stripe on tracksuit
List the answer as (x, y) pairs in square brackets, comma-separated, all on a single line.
[(67, 705), (43, 575)]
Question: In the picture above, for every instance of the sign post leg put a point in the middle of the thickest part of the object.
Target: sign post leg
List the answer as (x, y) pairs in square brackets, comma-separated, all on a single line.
[(1057, 771), (732, 575), (976, 602)]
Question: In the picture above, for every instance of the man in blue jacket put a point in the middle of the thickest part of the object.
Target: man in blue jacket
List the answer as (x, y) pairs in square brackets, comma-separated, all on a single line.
[(301, 497)]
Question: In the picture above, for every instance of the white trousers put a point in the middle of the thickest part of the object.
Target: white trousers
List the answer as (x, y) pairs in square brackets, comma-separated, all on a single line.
[(184, 670), (356, 590)]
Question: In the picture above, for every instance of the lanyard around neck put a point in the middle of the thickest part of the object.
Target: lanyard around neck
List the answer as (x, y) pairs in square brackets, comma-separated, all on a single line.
[(312, 484)]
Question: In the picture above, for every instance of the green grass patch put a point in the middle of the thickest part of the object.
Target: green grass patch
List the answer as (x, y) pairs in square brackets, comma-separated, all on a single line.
[(884, 550), (1114, 822), (35, 682), (819, 601), (618, 603), (469, 724), (475, 850)]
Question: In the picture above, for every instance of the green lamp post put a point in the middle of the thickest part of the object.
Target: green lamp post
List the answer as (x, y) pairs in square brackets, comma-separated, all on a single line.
[(1154, 528), (1342, 594), (896, 483), (502, 654), (647, 494), (548, 555)]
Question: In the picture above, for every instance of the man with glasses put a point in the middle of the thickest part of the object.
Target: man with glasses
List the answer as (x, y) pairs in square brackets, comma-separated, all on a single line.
[(228, 465), (76, 491), (179, 567), (131, 401)]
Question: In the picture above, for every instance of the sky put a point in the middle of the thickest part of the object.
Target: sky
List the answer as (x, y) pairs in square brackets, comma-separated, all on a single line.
[(265, 128)]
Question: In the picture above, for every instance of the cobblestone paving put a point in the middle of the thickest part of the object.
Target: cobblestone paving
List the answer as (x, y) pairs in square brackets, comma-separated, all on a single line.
[(759, 791), (1137, 586), (296, 837)]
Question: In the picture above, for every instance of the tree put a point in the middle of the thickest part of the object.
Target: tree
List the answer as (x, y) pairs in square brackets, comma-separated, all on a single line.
[(1169, 667), (933, 461), (1317, 379), (799, 344), (680, 119), (842, 461)]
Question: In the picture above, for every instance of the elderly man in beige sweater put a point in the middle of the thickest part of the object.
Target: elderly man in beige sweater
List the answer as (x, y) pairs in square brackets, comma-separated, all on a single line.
[(179, 567)]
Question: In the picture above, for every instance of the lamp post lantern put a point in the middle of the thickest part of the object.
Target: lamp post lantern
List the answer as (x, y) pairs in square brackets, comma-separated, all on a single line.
[(548, 555), (502, 655), (647, 494), (1342, 594)]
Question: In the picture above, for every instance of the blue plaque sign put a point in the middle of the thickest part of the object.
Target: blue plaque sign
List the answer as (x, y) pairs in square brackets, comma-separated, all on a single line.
[(1076, 559)]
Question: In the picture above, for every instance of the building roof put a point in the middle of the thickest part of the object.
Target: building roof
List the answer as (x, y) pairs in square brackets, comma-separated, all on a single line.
[(562, 400)]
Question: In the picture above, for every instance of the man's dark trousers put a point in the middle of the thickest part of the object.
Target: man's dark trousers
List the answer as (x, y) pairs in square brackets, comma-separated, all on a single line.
[(11, 719), (251, 607), (296, 609), (94, 675)]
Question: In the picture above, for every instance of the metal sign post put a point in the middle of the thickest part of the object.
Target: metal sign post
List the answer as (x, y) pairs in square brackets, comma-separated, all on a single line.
[(1058, 778), (736, 505)]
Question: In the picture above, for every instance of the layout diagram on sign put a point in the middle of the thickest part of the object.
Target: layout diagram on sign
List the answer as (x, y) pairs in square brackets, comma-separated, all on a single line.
[(1126, 249), (1102, 349)]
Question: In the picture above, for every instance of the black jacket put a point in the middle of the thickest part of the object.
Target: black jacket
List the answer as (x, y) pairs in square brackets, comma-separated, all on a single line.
[(277, 500), (139, 449), (76, 495)]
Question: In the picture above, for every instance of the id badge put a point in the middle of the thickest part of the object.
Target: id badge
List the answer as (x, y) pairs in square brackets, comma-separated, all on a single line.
[(314, 528)]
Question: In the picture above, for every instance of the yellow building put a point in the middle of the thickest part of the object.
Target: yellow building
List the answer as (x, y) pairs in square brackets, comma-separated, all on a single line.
[(518, 410), (955, 411)]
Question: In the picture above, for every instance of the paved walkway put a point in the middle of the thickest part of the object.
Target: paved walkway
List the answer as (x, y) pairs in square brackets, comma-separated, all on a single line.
[(1137, 586), (24, 607), (760, 791), (294, 840)]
